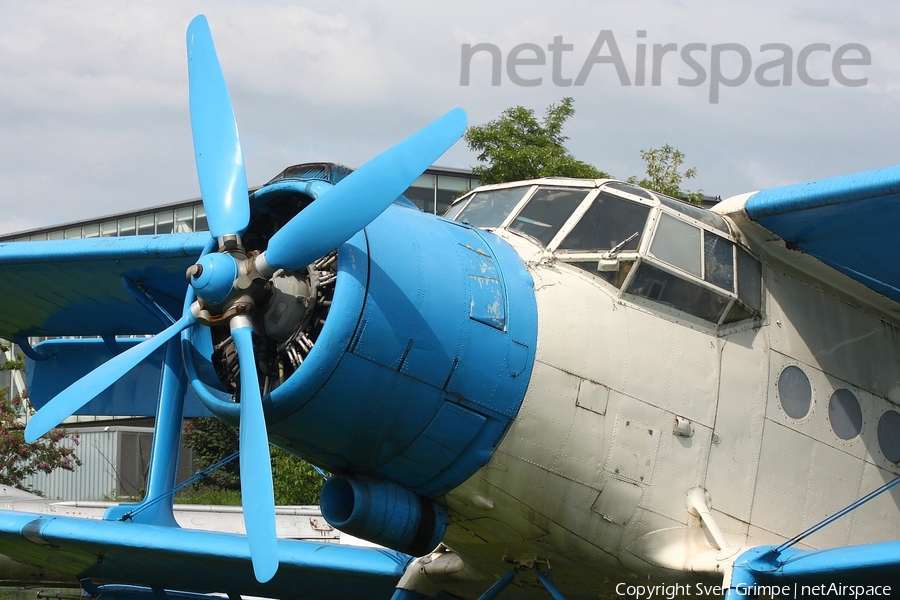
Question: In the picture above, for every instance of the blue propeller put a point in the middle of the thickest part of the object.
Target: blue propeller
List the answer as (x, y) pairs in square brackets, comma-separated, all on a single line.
[(217, 147), (357, 199), (322, 226), (257, 493), (223, 186)]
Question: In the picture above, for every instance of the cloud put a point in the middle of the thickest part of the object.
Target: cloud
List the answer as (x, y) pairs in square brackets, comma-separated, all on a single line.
[(94, 98)]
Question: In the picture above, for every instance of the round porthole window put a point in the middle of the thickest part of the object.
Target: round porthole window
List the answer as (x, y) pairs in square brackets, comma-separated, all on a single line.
[(844, 414), (889, 435), (795, 392)]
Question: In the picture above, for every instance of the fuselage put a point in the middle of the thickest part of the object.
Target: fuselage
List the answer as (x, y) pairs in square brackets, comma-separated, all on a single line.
[(649, 385), (578, 376)]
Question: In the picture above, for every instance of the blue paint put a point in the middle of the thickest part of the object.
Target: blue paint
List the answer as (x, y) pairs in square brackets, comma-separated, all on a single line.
[(134, 393), (103, 377), (216, 279), (847, 222), (156, 506), (547, 582), (156, 556), (257, 494), (318, 367), (498, 587), (406, 382), (340, 212), (217, 147), (312, 189), (25, 346), (75, 287), (384, 513), (867, 565)]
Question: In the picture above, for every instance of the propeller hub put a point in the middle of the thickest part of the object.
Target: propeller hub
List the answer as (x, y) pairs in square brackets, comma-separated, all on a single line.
[(213, 277)]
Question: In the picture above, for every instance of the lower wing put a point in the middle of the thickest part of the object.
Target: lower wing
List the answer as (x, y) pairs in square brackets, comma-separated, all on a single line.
[(196, 561)]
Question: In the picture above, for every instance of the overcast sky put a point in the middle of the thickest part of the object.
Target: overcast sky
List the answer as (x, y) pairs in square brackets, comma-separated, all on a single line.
[(94, 111)]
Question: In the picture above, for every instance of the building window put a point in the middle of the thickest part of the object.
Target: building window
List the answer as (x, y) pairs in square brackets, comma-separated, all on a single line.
[(145, 224), (126, 226), (200, 218), (184, 220), (109, 228), (164, 222), (449, 189)]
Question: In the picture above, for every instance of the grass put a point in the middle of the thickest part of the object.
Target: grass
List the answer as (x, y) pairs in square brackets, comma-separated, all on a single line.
[(209, 496)]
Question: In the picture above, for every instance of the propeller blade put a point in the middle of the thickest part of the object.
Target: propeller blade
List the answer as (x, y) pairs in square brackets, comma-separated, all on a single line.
[(257, 494), (217, 147), (88, 387), (357, 199)]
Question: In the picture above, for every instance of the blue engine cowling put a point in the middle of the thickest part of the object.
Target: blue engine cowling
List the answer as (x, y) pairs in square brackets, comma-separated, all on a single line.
[(421, 365)]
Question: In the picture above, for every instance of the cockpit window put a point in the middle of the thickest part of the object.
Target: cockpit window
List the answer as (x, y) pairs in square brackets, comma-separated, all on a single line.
[(678, 243), (749, 273), (706, 217), (681, 294), (547, 211), (692, 269), (489, 209), (608, 222), (631, 189), (718, 263)]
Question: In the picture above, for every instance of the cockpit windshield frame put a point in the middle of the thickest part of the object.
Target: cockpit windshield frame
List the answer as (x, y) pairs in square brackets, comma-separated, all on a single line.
[(682, 260)]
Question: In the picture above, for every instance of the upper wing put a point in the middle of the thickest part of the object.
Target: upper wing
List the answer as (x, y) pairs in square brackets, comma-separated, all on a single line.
[(198, 561), (847, 222), (96, 286)]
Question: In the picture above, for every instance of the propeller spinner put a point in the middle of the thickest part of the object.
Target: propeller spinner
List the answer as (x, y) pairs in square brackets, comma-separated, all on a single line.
[(226, 281)]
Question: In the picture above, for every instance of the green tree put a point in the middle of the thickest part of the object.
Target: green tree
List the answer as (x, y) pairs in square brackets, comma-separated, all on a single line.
[(518, 146), (212, 440), (294, 481), (18, 459), (664, 175)]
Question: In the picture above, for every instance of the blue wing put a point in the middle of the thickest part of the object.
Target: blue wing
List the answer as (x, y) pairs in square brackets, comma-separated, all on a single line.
[(94, 286), (197, 561), (854, 571), (847, 222)]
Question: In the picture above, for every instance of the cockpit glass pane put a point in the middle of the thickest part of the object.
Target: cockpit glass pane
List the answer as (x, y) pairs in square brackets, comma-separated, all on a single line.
[(677, 243), (631, 189), (615, 277), (609, 221), (547, 212), (719, 261), (675, 292), (455, 208), (701, 214), (749, 280), (490, 209)]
